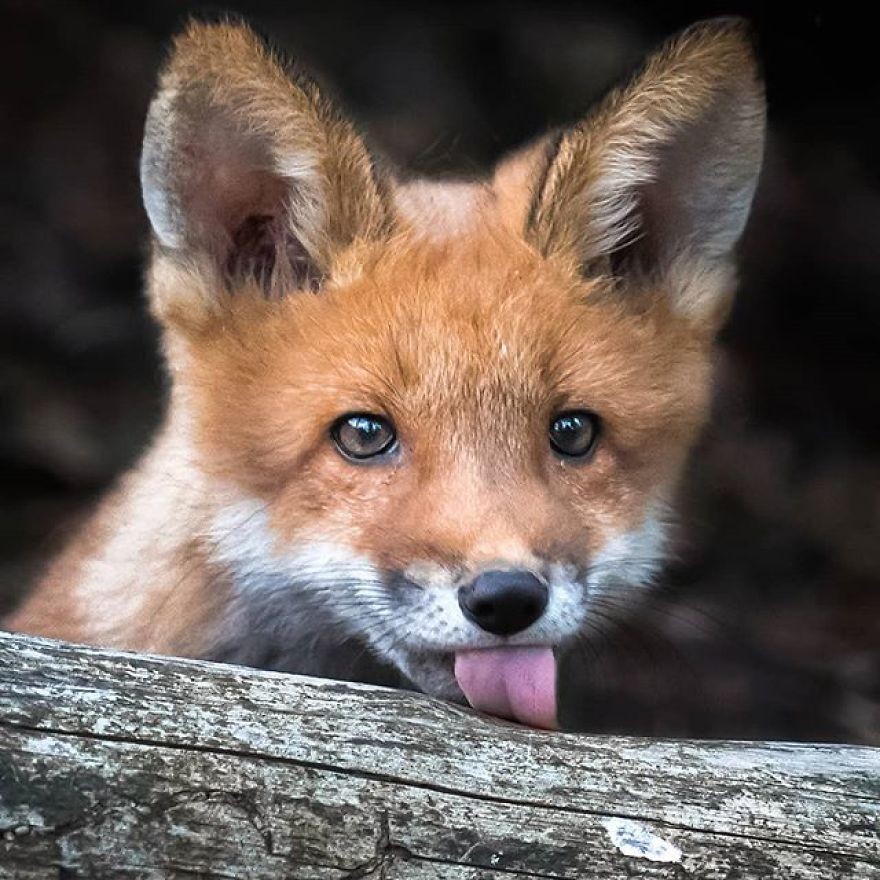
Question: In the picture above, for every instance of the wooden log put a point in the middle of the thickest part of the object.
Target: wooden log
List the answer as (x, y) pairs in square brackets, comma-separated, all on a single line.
[(117, 765)]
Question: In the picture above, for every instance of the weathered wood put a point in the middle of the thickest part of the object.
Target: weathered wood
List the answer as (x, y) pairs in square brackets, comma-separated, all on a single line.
[(115, 765)]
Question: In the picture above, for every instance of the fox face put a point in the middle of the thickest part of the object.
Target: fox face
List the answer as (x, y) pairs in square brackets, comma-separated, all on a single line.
[(445, 420)]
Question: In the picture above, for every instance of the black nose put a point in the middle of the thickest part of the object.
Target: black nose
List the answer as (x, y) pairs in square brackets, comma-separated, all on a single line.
[(503, 602)]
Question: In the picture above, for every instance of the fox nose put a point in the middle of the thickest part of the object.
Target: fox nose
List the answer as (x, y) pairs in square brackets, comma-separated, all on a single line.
[(503, 602)]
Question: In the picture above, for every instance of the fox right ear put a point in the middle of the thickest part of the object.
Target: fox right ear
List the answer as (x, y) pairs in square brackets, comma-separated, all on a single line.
[(250, 174), (655, 186)]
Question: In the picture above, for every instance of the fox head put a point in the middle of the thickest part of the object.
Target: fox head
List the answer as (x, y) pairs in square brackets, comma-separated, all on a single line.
[(446, 419)]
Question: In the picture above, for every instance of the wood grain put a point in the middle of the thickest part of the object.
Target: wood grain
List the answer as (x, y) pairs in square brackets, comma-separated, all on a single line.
[(116, 765)]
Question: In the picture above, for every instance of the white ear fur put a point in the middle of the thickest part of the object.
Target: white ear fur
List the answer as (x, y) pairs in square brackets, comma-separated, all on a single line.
[(249, 171), (660, 179)]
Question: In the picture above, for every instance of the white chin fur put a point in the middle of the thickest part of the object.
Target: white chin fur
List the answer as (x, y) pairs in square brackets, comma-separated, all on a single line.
[(321, 593)]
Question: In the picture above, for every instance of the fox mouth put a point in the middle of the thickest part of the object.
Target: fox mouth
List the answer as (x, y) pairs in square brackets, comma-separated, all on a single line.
[(518, 683), (495, 652)]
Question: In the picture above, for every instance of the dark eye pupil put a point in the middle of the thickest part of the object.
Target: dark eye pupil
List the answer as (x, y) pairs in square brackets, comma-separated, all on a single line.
[(573, 434), (363, 436)]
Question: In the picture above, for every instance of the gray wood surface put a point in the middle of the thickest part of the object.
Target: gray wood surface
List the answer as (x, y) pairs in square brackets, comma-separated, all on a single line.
[(116, 765)]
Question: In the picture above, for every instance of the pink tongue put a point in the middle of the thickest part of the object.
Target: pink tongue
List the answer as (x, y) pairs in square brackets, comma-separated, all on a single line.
[(517, 683)]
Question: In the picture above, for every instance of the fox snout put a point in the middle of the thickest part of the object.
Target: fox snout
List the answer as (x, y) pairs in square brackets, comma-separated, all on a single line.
[(503, 602)]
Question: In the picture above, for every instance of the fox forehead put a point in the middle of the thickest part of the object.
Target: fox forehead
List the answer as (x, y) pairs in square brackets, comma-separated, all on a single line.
[(477, 329)]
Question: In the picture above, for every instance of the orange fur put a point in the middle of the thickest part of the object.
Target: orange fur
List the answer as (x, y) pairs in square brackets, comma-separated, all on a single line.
[(589, 272)]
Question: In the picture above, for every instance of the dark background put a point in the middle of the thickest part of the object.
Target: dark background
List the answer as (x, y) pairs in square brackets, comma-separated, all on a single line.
[(768, 622)]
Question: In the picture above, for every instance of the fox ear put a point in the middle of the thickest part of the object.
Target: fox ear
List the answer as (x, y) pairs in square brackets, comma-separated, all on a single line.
[(655, 186), (249, 173)]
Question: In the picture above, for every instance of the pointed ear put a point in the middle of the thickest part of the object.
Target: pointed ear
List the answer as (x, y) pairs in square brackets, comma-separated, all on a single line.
[(249, 173), (655, 186)]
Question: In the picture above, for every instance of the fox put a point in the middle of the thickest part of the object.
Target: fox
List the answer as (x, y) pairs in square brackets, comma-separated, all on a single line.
[(436, 421)]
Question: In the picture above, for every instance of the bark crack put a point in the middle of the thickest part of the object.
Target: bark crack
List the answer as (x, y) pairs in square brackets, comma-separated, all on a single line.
[(384, 856)]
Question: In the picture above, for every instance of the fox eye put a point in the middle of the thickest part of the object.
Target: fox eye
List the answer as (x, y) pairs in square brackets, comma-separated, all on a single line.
[(573, 434), (361, 435)]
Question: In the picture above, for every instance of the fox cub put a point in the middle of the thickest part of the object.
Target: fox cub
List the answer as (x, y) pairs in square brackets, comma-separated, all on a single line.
[(440, 421)]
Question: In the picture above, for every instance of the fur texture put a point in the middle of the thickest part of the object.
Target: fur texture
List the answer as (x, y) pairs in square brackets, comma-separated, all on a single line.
[(296, 282)]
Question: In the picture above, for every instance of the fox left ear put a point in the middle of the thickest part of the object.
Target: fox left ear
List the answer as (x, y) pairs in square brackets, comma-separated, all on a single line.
[(655, 186), (250, 175)]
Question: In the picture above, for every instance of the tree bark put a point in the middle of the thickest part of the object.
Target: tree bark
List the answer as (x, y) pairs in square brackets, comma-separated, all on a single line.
[(117, 765)]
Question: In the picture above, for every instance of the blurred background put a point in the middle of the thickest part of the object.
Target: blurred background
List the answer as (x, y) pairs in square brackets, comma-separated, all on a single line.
[(767, 624)]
